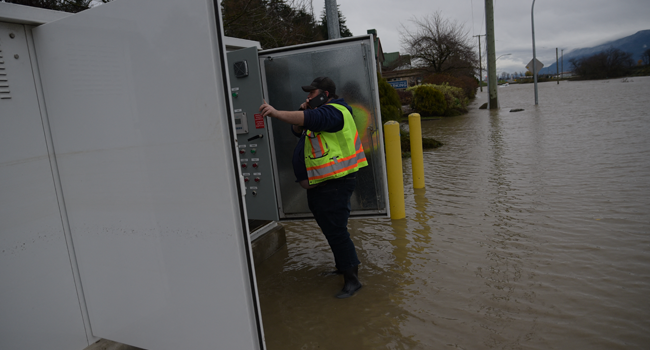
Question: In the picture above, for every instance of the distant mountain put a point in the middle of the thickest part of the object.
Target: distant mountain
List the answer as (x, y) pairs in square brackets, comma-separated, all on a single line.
[(635, 44)]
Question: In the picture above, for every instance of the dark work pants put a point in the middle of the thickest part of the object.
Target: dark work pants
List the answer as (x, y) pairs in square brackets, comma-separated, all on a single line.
[(330, 204)]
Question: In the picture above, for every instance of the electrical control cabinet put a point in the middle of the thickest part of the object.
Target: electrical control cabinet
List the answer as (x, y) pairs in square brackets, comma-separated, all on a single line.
[(134, 152), (266, 145), (350, 63), (253, 143)]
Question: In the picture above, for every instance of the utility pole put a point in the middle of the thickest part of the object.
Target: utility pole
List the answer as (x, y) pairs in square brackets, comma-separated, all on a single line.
[(532, 21), (493, 101), (557, 65), (562, 64), (332, 13), (480, 62)]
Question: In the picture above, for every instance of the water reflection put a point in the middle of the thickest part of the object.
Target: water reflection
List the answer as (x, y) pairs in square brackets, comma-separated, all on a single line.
[(297, 301), (532, 232), (502, 273)]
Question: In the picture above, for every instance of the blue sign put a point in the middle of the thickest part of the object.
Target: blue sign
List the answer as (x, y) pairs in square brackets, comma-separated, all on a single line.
[(399, 84)]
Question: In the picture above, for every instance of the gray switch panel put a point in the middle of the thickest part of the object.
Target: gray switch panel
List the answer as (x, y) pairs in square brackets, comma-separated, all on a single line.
[(252, 134), (241, 123)]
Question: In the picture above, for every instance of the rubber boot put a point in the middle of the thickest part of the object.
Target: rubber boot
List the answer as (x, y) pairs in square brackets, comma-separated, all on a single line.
[(352, 284)]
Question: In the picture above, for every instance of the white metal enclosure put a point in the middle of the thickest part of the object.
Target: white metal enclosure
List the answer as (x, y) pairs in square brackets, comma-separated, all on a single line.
[(123, 206), (137, 104), (39, 304)]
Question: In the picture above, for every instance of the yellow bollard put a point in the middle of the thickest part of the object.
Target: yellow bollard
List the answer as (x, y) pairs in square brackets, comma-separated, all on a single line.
[(394, 169), (417, 159)]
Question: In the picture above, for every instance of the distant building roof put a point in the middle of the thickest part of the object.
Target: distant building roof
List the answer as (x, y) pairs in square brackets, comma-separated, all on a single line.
[(390, 57), (395, 60)]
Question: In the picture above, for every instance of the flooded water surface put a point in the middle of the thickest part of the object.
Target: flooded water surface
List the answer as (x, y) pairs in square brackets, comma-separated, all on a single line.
[(533, 232)]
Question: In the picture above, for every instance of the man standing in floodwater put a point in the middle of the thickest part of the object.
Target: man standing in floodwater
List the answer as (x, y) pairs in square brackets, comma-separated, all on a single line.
[(325, 162)]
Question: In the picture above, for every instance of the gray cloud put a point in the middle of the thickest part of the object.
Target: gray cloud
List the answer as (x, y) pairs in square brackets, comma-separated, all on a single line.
[(567, 24)]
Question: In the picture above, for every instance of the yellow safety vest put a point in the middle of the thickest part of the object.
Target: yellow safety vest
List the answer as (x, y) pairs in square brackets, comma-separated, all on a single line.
[(330, 155)]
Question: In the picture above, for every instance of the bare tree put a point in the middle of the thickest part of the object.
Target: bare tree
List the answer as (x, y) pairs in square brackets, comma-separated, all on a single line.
[(439, 45), (610, 63)]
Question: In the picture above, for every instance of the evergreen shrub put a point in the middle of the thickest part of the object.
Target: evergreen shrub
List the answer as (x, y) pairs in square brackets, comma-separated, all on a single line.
[(456, 100), (391, 107), (428, 101), (466, 83)]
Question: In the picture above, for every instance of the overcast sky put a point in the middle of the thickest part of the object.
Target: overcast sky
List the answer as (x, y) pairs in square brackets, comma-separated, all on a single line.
[(566, 24)]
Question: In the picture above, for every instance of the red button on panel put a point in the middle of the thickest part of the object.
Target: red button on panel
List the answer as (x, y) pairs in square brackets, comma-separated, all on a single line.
[(257, 179), (242, 151), (243, 165), (246, 179), (254, 165)]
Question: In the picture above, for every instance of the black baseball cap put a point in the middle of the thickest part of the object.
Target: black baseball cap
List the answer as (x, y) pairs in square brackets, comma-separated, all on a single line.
[(323, 83)]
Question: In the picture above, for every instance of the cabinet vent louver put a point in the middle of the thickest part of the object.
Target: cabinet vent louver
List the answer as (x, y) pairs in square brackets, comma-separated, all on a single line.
[(241, 69), (4, 82)]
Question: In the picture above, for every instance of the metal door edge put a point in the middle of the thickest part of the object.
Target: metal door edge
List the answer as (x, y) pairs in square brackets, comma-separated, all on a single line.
[(220, 36)]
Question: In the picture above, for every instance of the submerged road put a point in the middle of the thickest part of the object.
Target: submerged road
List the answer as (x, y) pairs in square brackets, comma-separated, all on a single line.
[(533, 232)]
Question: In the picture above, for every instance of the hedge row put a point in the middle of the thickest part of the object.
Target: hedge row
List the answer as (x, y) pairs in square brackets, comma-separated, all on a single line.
[(389, 101), (438, 100)]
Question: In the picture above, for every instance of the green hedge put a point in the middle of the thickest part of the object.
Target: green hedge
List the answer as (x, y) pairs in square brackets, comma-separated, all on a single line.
[(454, 101), (469, 85), (391, 107), (428, 101)]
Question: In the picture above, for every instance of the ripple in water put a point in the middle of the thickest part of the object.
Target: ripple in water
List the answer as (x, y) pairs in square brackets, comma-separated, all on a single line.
[(532, 233)]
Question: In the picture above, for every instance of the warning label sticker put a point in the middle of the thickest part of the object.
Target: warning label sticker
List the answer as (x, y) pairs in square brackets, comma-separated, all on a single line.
[(259, 121)]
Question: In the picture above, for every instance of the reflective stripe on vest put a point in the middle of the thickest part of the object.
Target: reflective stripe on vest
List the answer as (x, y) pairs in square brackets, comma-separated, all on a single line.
[(316, 141), (339, 165), (330, 159)]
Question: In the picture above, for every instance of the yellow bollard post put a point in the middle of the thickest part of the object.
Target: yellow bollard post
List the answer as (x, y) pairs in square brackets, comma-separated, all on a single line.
[(417, 159), (394, 169)]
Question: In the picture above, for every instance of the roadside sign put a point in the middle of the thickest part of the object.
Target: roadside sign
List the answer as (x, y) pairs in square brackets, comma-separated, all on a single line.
[(538, 66), (399, 84)]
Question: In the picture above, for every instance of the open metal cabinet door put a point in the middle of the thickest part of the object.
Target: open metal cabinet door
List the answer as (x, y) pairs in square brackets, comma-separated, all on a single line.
[(252, 135), (350, 63), (139, 114)]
